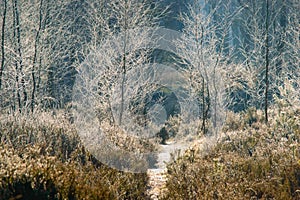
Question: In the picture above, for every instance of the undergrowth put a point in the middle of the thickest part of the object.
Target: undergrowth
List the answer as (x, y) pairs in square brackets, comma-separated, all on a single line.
[(253, 161), (41, 157)]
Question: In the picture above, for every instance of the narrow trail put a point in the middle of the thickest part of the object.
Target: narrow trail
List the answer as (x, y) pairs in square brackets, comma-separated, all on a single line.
[(157, 181), (157, 176)]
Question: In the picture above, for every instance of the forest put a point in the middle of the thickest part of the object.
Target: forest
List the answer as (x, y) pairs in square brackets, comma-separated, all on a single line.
[(95, 93)]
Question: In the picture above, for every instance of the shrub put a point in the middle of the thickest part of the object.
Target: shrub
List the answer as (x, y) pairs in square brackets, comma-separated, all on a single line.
[(42, 158), (250, 163)]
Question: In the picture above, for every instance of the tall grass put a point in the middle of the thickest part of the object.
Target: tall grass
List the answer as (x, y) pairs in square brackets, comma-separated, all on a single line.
[(41, 157), (253, 161)]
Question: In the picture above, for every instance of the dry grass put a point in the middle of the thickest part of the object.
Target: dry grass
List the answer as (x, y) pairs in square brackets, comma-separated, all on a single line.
[(41, 157), (254, 161)]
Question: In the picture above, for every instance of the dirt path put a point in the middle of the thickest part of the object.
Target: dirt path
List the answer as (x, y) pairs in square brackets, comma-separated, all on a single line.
[(157, 181), (157, 176)]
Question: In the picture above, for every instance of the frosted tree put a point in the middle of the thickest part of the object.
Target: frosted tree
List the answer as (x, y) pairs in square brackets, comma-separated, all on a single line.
[(202, 49), (28, 51), (112, 80), (262, 49)]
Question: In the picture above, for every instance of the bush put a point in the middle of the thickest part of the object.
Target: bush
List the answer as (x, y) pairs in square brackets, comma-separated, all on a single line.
[(250, 163), (43, 159)]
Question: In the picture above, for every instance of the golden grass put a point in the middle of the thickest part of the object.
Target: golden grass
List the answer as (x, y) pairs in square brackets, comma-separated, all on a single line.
[(254, 161), (41, 157)]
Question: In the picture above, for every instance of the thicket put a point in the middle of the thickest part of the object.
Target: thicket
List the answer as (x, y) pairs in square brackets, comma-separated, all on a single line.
[(251, 161), (41, 157)]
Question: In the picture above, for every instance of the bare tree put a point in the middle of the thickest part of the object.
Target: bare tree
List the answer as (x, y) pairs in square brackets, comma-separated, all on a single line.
[(263, 49), (32, 43), (36, 42), (114, 74), (203, 51), (124, 46), (120, 46), (290, 57)]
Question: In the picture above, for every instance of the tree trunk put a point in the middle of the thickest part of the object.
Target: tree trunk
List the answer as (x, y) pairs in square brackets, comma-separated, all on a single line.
[(122, 89), (203, 109), (3, 42), (16, 61), (19, 61), (35, 57), (267, 62), (124, 66)]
